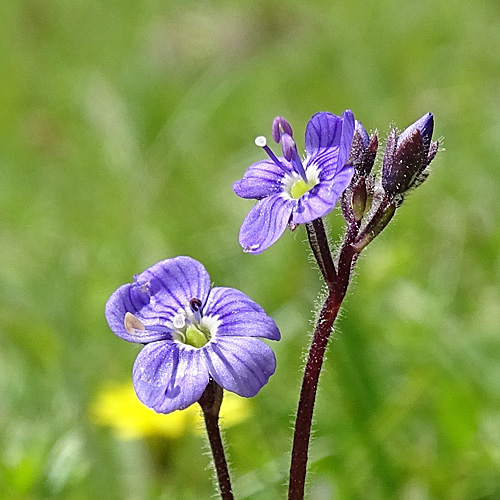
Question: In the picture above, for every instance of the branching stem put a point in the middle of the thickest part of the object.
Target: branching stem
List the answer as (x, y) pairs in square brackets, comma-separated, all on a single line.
[(337, 281)]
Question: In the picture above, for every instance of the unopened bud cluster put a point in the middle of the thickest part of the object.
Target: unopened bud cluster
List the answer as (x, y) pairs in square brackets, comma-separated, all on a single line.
[(371, 203)]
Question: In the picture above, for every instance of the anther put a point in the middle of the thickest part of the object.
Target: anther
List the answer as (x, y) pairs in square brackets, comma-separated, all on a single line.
[(195, 304), (279, 127), (290, 153)]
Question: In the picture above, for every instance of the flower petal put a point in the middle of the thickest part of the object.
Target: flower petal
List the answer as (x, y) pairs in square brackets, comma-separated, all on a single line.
[(260, 180), (155, 297), (169, 377), (265, 223), (323, 132), (130, 299), (239, 315), (323, 197), (174, 282), (240, 365), (348, 126), (328, 140)]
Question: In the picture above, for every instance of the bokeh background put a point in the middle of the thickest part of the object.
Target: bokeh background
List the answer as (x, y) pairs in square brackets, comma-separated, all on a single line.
[(122, 127)]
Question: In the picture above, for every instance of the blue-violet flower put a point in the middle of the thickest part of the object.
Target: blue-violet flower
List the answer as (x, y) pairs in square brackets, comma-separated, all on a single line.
[(192, 333), (294, 191)]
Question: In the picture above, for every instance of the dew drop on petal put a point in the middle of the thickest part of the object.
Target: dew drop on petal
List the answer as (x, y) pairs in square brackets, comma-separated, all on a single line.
[(251, 248)]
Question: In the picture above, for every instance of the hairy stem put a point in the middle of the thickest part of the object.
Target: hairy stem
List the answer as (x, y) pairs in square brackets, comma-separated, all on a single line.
[(210, 402), (305, 410), (337, 281), (321, 249)]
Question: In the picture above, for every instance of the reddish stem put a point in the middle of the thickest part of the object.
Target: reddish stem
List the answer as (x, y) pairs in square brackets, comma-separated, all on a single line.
[(337, 285), (210, 402), (305, 410)]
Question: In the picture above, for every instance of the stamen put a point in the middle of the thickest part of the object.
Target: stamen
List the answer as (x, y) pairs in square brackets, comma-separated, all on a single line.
[(261, 141), (290, 153), (132, 324), (195, 304), (279, 127)]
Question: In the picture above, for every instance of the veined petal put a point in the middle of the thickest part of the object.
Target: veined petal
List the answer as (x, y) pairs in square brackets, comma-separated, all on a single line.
[(260, 180), (348, 126), (265, 223), (155, 297), (239, 315), (168, 377), (130, 299), (174, 282), (332, 139), (323, 132), (322, 198), (240, 365)]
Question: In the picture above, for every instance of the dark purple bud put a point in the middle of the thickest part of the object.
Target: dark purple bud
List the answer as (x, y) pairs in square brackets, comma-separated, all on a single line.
[(363, 134), (363, 150), (359, 198), (408, 155), (279, 127), (425, 125)]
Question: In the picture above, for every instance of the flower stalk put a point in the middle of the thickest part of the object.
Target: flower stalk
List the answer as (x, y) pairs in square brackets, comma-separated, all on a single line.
[(318, 241), (210, 403), (406, 159), (337, 281)]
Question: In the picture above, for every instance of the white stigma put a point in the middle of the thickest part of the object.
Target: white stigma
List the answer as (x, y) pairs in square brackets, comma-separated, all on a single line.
[(179, 320), (261, 141)]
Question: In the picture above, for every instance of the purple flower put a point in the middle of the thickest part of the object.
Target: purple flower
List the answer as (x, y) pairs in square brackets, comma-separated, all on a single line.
[(292, 191), (192, 333)]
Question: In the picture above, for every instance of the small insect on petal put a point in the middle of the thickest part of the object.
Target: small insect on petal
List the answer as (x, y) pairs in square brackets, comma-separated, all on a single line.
[(132, 324)]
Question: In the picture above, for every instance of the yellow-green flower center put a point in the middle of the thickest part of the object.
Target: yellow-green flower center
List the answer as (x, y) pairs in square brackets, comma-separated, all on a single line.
[(299, 188), (196, 336)]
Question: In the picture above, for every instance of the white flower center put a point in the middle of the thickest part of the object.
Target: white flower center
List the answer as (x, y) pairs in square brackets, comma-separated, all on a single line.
[(192, 329), (295, 187)]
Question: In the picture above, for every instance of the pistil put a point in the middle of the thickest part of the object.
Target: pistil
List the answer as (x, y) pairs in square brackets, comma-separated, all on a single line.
[(261, 141)]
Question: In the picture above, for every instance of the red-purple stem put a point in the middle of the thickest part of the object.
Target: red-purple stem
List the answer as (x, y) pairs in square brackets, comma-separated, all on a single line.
[(210, 402), (319, 244), (337, 281)]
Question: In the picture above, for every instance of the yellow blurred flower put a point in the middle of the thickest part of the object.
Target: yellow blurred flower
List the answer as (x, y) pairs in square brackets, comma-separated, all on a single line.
[(117, 406)]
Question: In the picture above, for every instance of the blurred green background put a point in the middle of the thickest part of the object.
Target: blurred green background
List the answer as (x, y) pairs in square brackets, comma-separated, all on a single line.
[(122, 127)]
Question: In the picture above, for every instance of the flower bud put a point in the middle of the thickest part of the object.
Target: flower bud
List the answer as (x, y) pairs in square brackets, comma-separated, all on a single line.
[(408, 155), (359, 198), (363, 150)]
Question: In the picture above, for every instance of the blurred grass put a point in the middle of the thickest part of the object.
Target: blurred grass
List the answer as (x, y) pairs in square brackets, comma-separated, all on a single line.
[(123, 125)]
